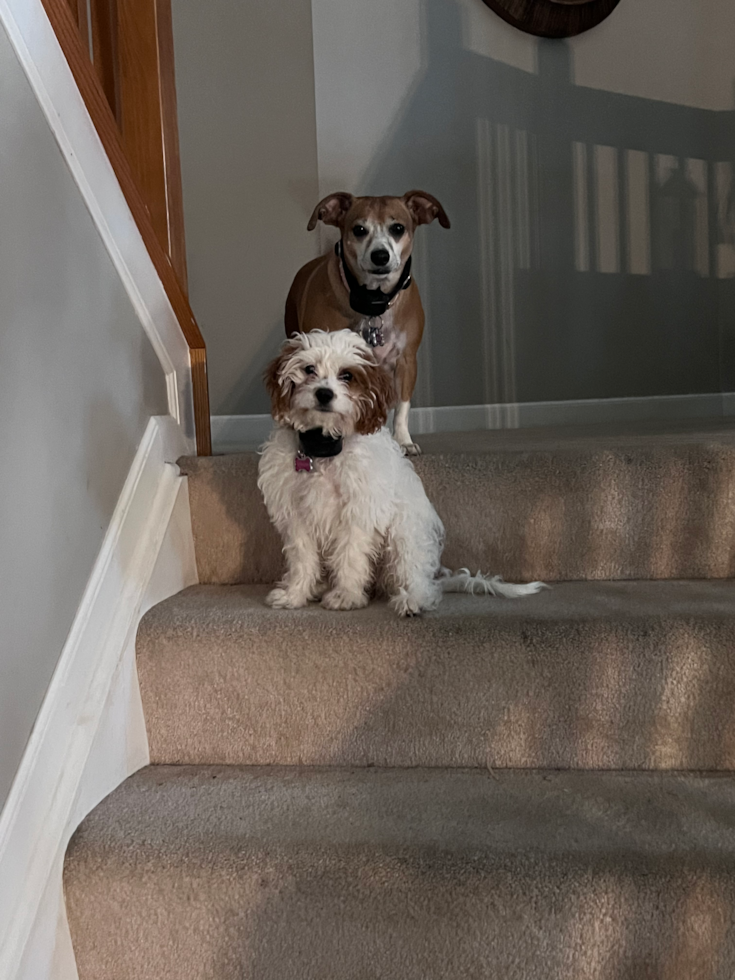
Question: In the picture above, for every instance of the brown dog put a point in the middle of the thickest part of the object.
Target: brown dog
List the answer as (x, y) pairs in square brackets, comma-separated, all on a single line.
[(365, 284)]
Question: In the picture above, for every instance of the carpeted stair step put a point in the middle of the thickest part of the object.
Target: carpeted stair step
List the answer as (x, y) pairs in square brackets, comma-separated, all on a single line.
[(188, 873), (554, 504), (596, 675)]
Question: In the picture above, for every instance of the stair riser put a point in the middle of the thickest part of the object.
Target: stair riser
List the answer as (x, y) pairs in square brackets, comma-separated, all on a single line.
[(464, 691), (651, 513), (271, 917)]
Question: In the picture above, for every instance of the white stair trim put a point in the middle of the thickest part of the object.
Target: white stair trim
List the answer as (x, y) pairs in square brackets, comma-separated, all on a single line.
[(40, 55), (90, 733), (240, 433)]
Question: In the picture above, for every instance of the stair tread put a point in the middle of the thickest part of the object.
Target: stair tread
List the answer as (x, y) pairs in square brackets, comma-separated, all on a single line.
[(224, 606), (594, 815), (267, 874), (586, 675)]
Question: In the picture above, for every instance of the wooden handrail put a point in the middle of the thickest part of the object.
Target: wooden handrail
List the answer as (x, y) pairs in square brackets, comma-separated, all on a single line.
[(65, 20)]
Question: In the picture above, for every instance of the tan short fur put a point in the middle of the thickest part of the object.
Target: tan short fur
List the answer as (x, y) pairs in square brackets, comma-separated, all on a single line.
[(319, 299)]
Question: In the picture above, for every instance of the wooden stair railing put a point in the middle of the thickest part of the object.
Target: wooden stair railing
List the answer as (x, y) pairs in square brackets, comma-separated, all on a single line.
[(121, 56)]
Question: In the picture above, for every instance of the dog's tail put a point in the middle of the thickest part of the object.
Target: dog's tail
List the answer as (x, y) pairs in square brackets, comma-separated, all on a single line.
[(463, 581)]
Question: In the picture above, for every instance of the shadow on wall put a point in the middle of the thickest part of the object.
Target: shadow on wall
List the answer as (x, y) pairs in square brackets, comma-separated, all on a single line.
[(250, 389), (591, 253)]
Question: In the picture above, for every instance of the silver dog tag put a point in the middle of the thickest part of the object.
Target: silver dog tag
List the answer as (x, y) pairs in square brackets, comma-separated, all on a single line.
[(372, 332)]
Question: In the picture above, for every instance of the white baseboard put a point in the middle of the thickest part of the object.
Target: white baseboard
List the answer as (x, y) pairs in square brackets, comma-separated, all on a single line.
[(90, 732), (39, 53), (241, 433)]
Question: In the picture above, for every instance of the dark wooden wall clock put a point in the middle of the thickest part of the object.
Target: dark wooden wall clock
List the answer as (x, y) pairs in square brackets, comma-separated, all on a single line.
[(553, 18)]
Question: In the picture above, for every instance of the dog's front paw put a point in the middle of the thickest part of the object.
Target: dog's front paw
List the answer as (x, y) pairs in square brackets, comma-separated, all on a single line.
[(405, 604), (342, 599), (411, 449), (286, 599)]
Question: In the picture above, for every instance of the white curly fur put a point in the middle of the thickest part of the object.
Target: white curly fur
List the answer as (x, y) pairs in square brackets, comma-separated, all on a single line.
[(361, 519)]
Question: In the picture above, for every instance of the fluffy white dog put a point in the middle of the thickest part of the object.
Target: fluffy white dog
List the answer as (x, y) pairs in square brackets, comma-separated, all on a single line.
[(351, 509)]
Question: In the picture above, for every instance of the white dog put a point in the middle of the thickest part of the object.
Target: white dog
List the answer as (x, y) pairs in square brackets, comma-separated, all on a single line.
[(351, 509)]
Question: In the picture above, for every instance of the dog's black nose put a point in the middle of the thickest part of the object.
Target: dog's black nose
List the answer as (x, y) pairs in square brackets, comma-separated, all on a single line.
[(324, 395), (380, 257)]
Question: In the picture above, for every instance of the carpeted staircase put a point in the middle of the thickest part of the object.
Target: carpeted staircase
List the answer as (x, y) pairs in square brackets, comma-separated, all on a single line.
[(539, 789)]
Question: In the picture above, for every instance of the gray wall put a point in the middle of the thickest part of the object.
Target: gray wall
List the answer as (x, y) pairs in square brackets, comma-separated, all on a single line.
[(78, 382), (583, 259), (589, 185), (245, 84)]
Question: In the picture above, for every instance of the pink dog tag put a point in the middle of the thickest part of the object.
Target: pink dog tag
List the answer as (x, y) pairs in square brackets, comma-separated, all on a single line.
[(302, 463)]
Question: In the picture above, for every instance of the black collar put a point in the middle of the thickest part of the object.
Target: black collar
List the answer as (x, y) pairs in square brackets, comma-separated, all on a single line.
[(371, 302), (317, 445)]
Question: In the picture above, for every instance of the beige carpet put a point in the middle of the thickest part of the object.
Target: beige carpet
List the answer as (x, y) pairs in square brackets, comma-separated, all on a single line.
[(560, 507), (363, 798), (250, 874), (597, 675)]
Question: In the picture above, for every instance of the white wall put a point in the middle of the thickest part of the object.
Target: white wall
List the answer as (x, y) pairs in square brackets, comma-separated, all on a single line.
[(368, 59), (678, 51), (560, 279), (280, 108), (245, 85), (78, 383)]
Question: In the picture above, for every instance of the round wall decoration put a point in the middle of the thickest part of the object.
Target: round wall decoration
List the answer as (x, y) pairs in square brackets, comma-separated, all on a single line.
[(553, 18)]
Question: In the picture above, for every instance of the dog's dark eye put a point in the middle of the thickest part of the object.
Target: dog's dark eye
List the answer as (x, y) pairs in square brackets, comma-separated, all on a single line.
[(359, 231), (309, 369), (396, 230), (346, 376)]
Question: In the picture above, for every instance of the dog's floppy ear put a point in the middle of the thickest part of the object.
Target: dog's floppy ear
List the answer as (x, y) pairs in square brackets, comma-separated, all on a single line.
[(279, 388), (424, 208), (331, 210), (376, 396)]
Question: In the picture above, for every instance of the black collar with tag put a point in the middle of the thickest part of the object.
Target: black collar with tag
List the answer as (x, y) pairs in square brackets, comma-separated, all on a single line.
[(317, 444), (371, 302)]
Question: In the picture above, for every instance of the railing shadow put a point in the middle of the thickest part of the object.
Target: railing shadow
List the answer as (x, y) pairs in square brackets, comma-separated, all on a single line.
[(591, 231)]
